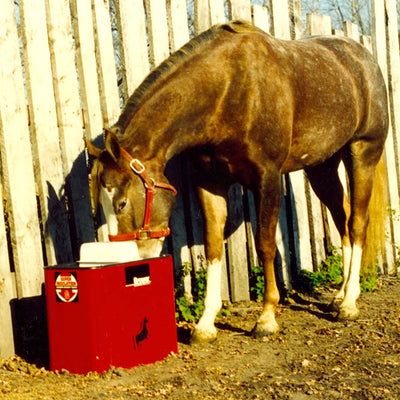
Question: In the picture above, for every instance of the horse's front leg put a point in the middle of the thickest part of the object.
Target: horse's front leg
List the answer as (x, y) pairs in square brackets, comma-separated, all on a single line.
[(215, 213), (268, 203)]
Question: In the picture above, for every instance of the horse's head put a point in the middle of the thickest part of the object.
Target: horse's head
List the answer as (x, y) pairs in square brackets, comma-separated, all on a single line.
[(136, 199)]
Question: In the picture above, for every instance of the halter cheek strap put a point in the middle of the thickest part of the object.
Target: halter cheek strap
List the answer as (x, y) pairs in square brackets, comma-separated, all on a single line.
[(150, 184)]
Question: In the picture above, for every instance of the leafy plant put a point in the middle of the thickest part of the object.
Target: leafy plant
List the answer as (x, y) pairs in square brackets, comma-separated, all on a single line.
[(368, 280), (256, 279), (328, 274), (191, 310)]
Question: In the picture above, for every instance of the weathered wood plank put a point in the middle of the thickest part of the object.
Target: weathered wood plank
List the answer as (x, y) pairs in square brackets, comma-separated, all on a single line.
[(69, 115), (379, 49), (351, 31), (7, 290), (18, 183), (178, 23), (296, 17), (86, 60), (319, 25), (280, 19), (109, 96), (217, 11), (132, 29), (281, 29), (179, 35), (82, 18), (240, 9), (157, 30), (261, 17), (237, 252), (202, 19), (394, 77), (44, 131)]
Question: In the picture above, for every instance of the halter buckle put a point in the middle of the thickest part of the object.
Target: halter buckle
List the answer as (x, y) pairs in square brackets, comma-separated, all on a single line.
[(143, 234), (137, 166)]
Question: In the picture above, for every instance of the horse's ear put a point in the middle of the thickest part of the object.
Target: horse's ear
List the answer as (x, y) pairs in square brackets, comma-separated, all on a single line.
[(92, 149), (112, 145)]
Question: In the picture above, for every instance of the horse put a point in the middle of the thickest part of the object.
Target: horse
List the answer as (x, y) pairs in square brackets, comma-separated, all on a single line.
[(247, 107)]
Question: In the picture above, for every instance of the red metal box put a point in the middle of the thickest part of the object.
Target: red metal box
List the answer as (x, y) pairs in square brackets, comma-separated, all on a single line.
[(120, 315)]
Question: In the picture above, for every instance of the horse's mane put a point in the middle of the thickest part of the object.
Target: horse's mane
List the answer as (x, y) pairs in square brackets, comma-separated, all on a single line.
[(171, 63)]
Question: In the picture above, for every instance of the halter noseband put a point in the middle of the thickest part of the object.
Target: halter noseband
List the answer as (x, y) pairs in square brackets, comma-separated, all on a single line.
[(150, 184)]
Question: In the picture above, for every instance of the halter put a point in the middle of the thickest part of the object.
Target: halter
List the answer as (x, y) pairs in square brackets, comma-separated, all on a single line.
[(150, 184)]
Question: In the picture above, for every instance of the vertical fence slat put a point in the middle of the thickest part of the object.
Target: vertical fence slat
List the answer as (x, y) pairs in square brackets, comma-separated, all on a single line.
[(18, 183), (351, 31), (261, 17), (281, 29), (394, 95), (44, 131), (6, 288), (157, 29), (217, 11), (134, 57), (177, 16), (86, 60), (237, 252), (319, 24), (394, 77), (280, 19), (109, 97), (69, 114), (380, 52), (201, 16), (179, 35), (240, 9), (296, 17), (82, 18)]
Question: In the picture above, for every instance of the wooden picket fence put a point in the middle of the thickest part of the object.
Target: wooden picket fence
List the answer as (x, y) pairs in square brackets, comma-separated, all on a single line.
[(66, 67)]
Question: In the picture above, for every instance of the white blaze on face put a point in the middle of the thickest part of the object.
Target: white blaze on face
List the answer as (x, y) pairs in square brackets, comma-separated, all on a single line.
[(106, 201)]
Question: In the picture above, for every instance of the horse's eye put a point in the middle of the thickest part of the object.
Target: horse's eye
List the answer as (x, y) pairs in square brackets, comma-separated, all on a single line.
[(122, 205)]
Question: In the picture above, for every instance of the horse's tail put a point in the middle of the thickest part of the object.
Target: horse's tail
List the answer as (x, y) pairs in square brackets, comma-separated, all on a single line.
[(375, 241)]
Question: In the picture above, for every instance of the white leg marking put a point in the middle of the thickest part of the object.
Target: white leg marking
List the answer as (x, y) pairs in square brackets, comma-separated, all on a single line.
[(205, 330), (106, 201), (348, 308), (346, 270)]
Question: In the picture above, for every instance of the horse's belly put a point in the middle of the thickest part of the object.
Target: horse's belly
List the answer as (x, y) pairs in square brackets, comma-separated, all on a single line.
[(313, 150)]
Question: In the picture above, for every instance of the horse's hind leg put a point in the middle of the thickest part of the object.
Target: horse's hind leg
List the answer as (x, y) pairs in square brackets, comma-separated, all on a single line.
[(214, 204), (324, 180), (361, 161)]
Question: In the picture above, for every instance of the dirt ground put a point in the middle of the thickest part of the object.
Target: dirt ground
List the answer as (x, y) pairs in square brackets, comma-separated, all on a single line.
[(312, 357)]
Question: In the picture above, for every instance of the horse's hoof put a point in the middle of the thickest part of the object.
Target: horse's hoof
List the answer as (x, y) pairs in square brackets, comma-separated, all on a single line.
[(348, 314), (261, 330), (335, 304), (203, 336)]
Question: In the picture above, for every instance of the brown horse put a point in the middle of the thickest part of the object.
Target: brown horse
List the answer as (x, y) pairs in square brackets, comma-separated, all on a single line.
[(248, 107)]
